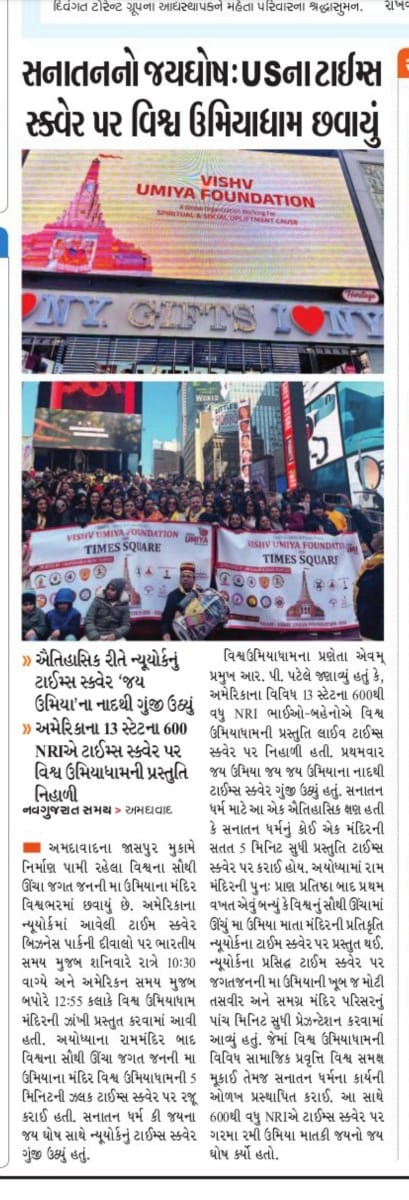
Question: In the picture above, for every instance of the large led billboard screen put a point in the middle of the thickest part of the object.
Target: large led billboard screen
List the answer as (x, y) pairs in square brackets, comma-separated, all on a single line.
[(345, 435), (220, 216), (64, 430)]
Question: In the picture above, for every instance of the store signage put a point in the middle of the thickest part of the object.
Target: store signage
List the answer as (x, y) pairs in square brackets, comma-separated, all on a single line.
[(121, 314)]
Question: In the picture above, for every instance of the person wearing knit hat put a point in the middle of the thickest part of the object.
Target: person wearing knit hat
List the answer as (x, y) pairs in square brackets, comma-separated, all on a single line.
[(178, 598), (318, 521), (63, 620), (34, 623), (108, 617)]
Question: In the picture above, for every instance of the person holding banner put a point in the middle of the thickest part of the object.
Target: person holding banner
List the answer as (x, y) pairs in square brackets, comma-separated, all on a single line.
[(190, 614)]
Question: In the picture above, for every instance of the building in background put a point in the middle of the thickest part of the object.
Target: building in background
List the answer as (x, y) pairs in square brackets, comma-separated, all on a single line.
[(166, 458), (132, 262), (217, 434)]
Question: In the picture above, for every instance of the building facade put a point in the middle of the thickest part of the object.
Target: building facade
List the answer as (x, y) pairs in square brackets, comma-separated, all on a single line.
[(166, 458)]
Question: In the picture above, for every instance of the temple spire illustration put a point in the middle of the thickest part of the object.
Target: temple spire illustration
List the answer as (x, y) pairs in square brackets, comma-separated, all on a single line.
[(304, 607), (80, 241), (134, 597), (86, 206)]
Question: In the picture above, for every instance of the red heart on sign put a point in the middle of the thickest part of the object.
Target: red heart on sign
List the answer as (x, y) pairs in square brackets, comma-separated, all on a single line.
[(309, 319), (28, 303)]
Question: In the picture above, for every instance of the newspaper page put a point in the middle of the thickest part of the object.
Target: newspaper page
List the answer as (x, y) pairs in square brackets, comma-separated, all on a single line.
[(204, 290)]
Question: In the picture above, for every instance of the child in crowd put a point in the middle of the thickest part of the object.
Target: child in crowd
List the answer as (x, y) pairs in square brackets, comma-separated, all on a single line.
[(63, 620), (34, 623)]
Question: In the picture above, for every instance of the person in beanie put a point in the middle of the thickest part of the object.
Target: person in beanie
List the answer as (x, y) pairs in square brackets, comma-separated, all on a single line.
[(108, 617), (318, 521), (34, 622), (176, 600), (63, 620)]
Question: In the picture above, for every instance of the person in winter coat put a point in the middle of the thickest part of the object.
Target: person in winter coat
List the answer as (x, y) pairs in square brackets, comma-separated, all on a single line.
[(34, 622), (295, 519), (63, 620), (108, 617), (317, 520), (368, 592)]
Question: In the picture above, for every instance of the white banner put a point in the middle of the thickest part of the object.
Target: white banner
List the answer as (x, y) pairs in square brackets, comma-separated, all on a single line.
[(146, 555), (288, 581)]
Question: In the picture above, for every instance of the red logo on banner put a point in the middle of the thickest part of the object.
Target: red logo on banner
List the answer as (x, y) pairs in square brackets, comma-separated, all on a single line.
[(309, 319)]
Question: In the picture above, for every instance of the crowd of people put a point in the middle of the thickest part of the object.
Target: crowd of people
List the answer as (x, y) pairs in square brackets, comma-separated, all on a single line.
[(56, 498), (52, 499)]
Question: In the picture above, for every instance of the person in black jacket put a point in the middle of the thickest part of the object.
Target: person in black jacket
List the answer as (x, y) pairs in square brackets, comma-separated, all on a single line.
[(368, 593)]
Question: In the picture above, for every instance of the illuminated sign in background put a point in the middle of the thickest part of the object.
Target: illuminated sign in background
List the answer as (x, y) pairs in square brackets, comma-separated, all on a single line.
[(345, 435), (66, 430), (113, 397), (209, 215)]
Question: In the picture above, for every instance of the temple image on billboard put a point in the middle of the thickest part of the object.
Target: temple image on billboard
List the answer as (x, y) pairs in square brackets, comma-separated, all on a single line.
[(304, 606), (80, 241)]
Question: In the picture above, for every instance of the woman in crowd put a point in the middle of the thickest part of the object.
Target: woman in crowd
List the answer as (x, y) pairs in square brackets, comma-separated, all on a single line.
[(94, 500), (105, 509), (61, 515), (225, 512), (236, 522), (163, 505), (117, 508), (42, 517), (294, 519), (172, 510), (151, 512), (129, 510), (250, 514), (81, 512)]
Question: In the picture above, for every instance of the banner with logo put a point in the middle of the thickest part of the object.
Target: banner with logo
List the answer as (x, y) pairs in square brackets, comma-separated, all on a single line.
[(147, 555), (299, 582)]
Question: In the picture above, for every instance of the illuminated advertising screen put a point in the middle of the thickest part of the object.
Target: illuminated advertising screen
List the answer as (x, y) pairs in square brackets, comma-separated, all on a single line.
[(206, 392), (66, 430), (345, 436), (89, 396), (323, 430), (214, 215), (365, 477)]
